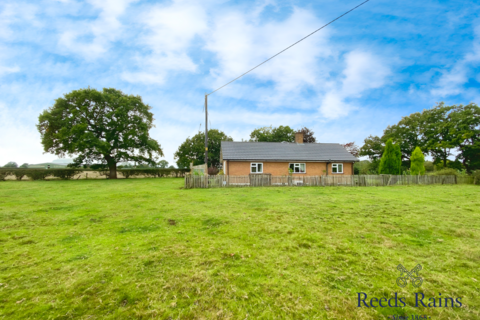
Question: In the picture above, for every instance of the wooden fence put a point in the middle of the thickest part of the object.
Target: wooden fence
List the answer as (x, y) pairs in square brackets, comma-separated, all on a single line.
[(265, 180)]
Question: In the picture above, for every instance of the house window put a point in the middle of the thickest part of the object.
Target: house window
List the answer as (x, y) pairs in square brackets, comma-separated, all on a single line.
[(256, 168), (337, 167), (297, 167)]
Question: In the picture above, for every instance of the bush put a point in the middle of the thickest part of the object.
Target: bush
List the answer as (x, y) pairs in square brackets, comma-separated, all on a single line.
[(446, 172), (417, 161), (152, 172), (65, 174), (98, 166), (68, 173), (429, 166), (38, 174), (4, 173), (476, 177), (212, 171), (19, 174)]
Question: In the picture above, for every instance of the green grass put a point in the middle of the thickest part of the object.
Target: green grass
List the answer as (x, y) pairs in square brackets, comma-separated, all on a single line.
[(147, 249)]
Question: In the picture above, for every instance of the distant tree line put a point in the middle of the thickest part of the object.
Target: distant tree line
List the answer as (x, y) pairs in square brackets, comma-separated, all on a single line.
[(442, 132), (106, 128)]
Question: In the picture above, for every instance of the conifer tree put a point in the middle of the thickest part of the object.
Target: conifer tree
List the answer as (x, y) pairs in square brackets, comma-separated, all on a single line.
[(417, 161), (398, 154), (391, 160)]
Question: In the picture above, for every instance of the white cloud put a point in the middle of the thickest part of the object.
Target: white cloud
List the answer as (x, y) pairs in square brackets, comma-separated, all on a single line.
[(12, 13), (451, 82), (364, 71), (170, 31), (102, 31), (240, 42), (7, 70)]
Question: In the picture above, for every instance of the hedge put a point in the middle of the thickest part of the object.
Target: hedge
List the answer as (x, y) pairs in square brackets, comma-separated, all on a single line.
[(155, 173), (67, 174)]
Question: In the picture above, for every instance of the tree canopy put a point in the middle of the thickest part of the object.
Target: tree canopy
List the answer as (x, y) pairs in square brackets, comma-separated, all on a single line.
[(308, 135), (437, 131), (352, 148), (100, 126), (270, 134), (280, 134), (11, 164), (193, 149), (373, 147), (163, 164), (465, 121)]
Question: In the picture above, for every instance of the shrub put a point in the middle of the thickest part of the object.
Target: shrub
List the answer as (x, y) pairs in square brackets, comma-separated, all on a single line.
[(38, 174), (212, 171), (98, 166), (152, 172), (4, 173), (65, 174), (429, 166), (476, 177), (446, 172), (19, 174), (220, 173), (69, 173), (417, 161)]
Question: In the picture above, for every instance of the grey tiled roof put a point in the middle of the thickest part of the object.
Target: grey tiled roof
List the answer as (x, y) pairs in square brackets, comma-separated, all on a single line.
[(285, 151)]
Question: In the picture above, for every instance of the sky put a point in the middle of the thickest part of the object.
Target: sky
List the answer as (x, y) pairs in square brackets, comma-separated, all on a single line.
[(352, 79)]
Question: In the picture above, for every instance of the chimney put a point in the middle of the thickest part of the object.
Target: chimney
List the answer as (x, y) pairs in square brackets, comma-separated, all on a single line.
[(299, 137)]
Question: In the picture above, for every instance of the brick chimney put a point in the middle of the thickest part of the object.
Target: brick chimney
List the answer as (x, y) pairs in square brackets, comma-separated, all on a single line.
[(299, 137)]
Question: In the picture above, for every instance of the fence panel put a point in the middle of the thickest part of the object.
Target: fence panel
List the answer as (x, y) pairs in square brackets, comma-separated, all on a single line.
[(266, 180)]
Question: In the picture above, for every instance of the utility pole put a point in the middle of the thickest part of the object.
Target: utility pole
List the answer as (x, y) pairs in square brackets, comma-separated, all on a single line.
[(206, 133)]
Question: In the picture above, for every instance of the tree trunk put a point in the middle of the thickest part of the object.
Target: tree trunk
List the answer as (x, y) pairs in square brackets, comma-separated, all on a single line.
[(112, 165), (113, 170)]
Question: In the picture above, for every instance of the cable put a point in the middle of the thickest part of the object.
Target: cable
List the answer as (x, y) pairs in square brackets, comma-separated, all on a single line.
[(289, 47)]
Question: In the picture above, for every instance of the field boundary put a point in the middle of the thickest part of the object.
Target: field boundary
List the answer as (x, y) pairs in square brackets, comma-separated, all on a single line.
[(265, 180)]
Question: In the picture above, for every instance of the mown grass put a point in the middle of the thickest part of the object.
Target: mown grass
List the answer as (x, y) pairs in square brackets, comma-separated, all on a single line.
[(147, 249)]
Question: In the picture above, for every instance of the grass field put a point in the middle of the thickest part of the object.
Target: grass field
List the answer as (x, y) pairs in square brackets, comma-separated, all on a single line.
[(147, 249)]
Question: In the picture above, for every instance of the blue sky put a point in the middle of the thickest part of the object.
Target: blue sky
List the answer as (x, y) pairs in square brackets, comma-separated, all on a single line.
[(381, 62)]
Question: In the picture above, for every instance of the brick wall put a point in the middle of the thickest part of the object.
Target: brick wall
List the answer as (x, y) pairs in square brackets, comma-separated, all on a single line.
[(242, 168)]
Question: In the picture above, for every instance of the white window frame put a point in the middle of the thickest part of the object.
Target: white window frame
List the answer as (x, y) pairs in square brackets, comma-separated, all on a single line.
[(335, 165), (297, 165), (255, 165)]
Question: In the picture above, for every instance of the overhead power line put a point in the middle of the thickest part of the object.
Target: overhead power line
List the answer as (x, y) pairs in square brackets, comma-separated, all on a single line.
[(289, 47)]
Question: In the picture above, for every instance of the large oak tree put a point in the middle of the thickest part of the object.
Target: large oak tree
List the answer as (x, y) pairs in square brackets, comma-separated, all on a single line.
[(465, 133), (100, 126)]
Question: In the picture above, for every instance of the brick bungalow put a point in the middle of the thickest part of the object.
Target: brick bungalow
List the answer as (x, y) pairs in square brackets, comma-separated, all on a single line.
[(276, 158)]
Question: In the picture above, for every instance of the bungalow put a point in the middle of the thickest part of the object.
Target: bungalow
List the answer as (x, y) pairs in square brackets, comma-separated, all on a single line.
[(282, 158)]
